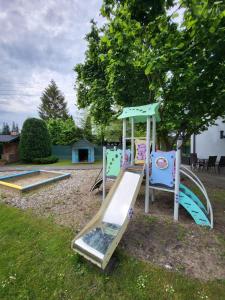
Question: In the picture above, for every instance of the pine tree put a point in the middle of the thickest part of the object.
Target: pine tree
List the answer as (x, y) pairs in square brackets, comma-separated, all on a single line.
[(17, 128), (53, 104), (5, 129), (13, 126)]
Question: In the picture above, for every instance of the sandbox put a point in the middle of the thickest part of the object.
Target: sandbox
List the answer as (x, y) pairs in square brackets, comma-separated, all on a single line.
[(31, 179)]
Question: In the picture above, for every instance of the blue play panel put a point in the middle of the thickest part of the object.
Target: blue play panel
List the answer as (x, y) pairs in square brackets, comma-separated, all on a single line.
[(163, 168)]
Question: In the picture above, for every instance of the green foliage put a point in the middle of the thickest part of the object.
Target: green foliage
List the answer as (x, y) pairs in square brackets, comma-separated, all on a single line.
[(141, 55), (190, 64), (91, 83), (87, 129), (63, 132), (35, 140), (113, 132), (53, 104), (99, 137), (46, 160)]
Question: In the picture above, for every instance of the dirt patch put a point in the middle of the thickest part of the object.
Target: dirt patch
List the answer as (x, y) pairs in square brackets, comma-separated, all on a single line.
[(183, 247)]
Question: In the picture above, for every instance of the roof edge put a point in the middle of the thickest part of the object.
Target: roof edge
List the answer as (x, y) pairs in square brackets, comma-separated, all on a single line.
[(140, 113)]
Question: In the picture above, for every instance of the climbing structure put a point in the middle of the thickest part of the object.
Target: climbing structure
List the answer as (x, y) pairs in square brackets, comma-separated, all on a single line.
[(162, 170)]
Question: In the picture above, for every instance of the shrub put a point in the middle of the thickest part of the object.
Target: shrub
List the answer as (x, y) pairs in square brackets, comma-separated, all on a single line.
[(46, 160), (35, 140)]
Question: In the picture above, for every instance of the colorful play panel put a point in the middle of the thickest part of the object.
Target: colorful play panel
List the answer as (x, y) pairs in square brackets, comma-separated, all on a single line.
[(31, 179)]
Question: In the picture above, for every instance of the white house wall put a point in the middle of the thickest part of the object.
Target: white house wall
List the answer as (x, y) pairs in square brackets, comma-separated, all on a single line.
[(209, 142)]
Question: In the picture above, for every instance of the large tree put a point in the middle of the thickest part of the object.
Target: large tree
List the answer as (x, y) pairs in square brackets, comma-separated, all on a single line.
[(87, 128), (145, 56), (53, 104), (91, 82), (186, 65), (35, 140), (63, 132)]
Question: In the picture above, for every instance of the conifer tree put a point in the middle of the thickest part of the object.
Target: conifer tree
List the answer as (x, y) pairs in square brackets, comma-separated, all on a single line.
[(53, 104), (35, 141), (5, 129), (13, 126), (17, 128)]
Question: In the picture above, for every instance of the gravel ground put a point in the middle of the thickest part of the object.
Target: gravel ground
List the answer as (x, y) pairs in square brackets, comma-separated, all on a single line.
[(68, 201), (182, 247)]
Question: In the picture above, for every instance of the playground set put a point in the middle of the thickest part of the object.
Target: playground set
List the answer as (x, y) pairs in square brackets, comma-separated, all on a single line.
[(30, 180), (161, 171)]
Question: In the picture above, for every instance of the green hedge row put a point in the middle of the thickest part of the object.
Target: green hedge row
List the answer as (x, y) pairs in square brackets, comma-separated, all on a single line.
[(46, 160)]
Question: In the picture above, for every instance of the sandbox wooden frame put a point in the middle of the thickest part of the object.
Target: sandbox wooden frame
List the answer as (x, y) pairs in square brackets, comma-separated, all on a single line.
[(21, 188)]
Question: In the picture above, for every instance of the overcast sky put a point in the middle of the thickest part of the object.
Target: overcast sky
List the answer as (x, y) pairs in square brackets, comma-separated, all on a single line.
[(40, 40)]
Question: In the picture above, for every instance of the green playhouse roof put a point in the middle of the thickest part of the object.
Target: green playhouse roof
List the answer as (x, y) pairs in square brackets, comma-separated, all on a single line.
[(140, 113)]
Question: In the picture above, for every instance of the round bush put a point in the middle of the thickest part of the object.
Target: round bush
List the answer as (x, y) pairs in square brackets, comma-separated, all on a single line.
[(35, 140)]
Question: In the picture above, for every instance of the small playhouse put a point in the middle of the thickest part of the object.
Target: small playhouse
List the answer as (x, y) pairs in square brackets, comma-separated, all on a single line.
[(83, 151), (10, 151)]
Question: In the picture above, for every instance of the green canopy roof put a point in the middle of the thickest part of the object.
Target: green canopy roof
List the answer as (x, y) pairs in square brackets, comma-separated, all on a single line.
[(140, 113)]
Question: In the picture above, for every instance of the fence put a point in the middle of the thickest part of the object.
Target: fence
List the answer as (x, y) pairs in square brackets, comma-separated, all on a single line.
[(62, 152), (65, 152), (98, 153)]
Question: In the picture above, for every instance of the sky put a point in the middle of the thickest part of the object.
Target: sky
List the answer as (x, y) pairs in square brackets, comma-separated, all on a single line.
[(41, 40)]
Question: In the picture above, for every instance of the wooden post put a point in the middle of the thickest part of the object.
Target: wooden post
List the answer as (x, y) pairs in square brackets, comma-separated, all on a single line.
[(177, 180), (153, 149), (153, 134), (124, 139), (147, 164), (132, 141), (104, 174)]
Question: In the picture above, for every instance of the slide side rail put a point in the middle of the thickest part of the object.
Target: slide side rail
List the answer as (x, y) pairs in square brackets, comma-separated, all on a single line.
[(195, 177)]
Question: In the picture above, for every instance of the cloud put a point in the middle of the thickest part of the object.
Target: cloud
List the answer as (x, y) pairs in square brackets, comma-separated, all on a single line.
[(41, 40)]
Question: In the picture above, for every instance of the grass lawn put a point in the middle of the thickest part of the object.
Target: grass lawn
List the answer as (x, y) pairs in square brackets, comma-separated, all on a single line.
[(60, 163), (36, 263)]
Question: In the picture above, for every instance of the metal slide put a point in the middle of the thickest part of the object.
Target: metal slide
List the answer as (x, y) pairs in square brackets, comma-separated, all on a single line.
[(98, 240)]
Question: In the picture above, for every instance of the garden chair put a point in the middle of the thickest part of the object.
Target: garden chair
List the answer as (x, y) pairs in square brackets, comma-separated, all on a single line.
[(202, 163), (221, 163), (193, 160), (211, 163)]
